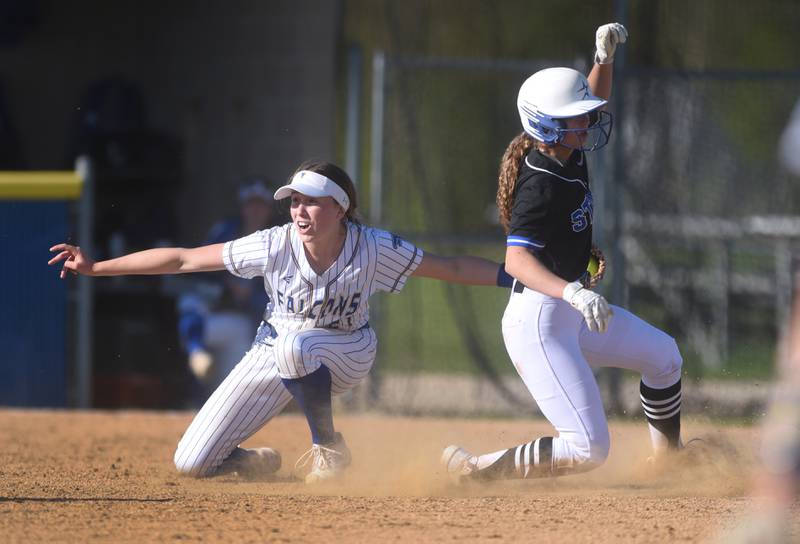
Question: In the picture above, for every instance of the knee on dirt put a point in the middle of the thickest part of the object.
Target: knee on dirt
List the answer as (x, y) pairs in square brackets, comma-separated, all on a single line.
[(585, 455)]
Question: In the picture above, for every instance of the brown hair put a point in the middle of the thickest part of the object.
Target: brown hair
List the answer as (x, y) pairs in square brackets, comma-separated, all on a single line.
[(340, 178), (509, 170)]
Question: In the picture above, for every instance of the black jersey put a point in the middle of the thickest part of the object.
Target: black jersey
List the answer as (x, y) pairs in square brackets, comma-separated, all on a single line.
[(552, 213)]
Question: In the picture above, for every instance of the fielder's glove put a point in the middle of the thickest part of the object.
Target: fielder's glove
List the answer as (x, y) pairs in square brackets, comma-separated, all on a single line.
[(607, 38), (596, 311), (596, 269)]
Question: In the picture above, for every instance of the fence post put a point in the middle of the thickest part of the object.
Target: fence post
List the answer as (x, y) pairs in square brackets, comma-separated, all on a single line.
[(373, 382), (84, 310), (353, 113), (376, 144)]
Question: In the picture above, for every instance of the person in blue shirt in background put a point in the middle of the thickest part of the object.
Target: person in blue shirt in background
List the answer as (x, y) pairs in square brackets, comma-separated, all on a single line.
[(218, 316)]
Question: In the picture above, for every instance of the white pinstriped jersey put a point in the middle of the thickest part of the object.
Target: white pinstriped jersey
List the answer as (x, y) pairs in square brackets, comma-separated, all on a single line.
[(371, 260)]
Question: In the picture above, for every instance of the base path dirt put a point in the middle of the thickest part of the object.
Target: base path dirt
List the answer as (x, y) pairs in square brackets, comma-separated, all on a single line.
[(108, 477)]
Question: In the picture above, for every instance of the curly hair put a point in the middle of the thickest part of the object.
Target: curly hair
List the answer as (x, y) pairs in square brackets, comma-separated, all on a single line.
[(509, 170)]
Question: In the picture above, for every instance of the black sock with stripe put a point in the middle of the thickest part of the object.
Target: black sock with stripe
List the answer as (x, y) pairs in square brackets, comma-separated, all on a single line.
[(662, 407), (529, 460)]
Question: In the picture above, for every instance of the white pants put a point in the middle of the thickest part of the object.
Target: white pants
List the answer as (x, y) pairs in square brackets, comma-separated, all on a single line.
[(253, 392), (554, 353)]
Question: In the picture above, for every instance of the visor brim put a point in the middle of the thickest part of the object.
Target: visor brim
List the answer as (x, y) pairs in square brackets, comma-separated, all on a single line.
[(579, 107), (300, 187)]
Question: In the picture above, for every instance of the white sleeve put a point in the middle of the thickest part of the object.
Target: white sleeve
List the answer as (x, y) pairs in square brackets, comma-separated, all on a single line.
[(397, 260), (248, 257)]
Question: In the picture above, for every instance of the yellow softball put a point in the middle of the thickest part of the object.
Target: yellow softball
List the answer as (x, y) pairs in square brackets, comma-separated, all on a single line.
[(593, 266)]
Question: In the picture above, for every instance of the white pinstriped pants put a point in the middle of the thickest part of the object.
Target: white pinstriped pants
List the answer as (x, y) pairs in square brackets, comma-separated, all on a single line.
[(253, 392), (554, 353)]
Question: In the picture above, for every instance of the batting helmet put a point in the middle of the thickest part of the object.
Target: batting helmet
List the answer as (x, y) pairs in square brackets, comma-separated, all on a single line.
[(552, 95)]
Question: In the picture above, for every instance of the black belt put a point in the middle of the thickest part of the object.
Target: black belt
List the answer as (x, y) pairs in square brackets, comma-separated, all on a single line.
[(519, 287)]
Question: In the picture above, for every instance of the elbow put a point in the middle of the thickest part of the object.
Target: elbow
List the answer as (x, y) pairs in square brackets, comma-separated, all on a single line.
[(512, 269), (513, 264)]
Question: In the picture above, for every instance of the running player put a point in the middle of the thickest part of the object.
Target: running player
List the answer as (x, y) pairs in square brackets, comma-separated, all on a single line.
[(315, 339), (545, 204)]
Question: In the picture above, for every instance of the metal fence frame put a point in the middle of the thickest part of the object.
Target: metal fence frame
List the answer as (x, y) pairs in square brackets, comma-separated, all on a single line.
[(629, 265)]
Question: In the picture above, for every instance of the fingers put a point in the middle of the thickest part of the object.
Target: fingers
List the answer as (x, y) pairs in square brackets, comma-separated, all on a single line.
[(67, 253), (63, 247), (623, 33), (69, 267), (60, 257), (620, 33), (591, 321), (602, 313), (593, 307), (611, 34), (597, 315)]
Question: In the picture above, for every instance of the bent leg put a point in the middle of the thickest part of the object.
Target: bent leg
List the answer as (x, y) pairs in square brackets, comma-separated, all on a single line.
[(541, 336), (245, 401), (634, 344), (348, 355), (315, 363)]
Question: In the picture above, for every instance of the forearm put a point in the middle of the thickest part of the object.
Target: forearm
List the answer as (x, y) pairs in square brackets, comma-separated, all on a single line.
[(526, 268), (600, 80), (150, 261), (462, 269), (473, 271)]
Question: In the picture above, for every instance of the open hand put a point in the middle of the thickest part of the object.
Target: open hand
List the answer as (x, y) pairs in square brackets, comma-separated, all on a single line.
[(74, 260)]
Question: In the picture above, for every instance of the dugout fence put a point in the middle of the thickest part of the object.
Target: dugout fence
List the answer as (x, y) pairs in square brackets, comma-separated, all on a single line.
[(45, 324)]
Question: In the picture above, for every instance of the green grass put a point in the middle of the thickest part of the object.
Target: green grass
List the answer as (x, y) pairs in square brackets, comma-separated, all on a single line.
[(425, 329)]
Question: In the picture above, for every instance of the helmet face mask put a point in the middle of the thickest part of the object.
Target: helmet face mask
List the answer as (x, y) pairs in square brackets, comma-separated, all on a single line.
[(551, 96), (597, 133)]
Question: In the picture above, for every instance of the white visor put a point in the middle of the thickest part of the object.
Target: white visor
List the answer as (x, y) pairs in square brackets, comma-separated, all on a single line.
[(579, 107), (316, 185)]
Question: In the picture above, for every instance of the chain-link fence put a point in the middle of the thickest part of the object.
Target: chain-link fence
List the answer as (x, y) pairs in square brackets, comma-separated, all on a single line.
[(697, 215)]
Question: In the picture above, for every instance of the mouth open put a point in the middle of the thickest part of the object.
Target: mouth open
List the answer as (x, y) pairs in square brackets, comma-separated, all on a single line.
[(302, 226)]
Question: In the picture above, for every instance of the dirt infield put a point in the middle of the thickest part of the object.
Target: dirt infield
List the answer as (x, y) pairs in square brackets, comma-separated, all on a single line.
[(101, 476)]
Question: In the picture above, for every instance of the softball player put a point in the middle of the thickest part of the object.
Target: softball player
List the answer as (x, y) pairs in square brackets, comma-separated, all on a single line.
[(315, 339), (545, 204)]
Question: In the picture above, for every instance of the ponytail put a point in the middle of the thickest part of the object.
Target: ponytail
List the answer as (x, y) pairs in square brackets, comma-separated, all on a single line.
[(509, 170)]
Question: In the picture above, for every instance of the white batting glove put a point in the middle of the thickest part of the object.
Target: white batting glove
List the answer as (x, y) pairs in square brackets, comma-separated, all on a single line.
[(607, 38), (596, 311)]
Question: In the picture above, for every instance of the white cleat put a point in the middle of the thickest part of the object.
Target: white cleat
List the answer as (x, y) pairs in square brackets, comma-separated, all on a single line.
[(328, 461), (458, 462), (254, 463)]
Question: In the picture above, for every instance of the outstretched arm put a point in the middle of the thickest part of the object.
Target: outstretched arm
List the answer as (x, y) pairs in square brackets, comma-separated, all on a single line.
[(166, 260), (463, 269)]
